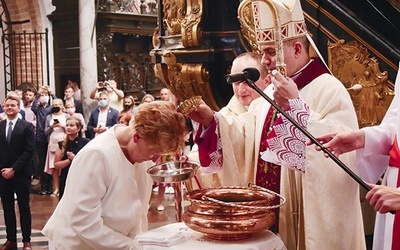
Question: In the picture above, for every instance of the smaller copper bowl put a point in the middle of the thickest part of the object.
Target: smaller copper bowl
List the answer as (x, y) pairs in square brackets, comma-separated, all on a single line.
[(230, 213), (173, 171)]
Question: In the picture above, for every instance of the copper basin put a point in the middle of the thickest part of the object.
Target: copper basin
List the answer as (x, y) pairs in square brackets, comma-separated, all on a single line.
[(240, 212)]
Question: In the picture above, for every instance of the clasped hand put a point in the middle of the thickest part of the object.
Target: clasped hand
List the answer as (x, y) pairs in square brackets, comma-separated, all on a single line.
[(284, 89), (70, 155), (7, 173)]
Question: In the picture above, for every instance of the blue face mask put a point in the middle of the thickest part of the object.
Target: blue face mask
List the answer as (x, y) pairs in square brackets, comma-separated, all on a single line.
[(103, 103)]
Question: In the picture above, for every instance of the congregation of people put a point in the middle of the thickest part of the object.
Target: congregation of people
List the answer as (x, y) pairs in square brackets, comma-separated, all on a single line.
[(246, 141), (54, 132), (60, 132), (49, 114)]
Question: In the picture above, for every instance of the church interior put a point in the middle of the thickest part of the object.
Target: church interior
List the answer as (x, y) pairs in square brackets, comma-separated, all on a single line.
[(187, 46)]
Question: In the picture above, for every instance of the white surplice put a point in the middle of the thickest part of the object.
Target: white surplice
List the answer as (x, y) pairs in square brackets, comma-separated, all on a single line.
[(373, 161)]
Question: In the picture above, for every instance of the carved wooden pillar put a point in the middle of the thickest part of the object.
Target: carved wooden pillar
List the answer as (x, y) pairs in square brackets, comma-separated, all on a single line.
[(194, 46)]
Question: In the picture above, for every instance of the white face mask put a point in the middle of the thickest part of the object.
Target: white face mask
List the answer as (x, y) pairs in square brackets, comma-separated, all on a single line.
[(44, 99), (70, 111)]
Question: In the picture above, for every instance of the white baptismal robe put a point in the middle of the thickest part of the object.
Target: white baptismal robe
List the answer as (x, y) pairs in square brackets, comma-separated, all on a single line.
[(330, 213), (373, 161), (105, 202)]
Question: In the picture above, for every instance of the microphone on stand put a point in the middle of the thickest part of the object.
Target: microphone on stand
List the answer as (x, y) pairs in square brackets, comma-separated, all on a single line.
[(247, 74)]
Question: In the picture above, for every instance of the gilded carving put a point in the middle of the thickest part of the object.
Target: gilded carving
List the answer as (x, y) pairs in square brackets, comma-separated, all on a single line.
[(183, 54), (161, 72), (185, 80), (198, 77), (174, 12), (351, 64), (156, 38), (178, 83), (191, 31)]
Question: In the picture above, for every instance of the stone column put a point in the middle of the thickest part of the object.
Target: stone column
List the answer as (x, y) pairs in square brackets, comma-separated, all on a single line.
[(88, 53)]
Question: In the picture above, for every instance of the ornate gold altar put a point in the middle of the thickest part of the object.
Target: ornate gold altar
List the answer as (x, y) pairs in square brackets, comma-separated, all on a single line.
[(196, 41), (194, 47), (352, 65)]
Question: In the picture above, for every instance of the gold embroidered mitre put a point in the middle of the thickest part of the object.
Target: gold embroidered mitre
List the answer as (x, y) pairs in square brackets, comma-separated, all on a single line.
[(288, 14)]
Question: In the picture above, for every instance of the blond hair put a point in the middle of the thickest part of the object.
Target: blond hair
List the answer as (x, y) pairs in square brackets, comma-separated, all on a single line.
[(13, 96), (78, 123), (69, 105), (159, 124), (62, 108), (147, 96)]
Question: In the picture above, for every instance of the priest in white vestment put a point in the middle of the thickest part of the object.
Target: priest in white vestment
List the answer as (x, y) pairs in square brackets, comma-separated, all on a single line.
[(238, 104), (323, 207), (374, 147)]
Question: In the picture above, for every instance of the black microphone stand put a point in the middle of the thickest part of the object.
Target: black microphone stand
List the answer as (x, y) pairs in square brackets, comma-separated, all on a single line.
[(310, 136)]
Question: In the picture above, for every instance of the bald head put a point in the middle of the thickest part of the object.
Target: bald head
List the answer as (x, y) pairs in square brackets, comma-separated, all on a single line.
[(241, 90)]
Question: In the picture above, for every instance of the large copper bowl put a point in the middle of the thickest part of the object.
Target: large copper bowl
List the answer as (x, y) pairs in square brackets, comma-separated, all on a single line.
[(229, 213)]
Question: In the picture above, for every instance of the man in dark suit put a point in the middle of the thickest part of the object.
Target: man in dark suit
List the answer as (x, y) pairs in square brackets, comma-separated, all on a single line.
[(103, 117), (17, 144), (69, 97), (21, 111)]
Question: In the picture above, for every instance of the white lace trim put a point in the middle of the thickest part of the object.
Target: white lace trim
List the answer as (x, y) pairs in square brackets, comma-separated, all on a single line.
[(216, 156), (286, 143)]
